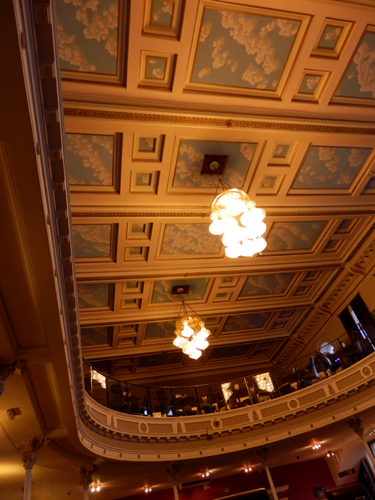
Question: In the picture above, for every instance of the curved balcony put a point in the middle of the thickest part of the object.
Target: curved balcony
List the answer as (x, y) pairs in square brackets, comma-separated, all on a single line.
[(120, 417), (159, 401)]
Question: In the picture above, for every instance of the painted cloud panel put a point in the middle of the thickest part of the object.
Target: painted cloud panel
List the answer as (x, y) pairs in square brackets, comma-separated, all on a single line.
[(92, 240), (250, 321), (189, 239), (330, 167), (299, 235), (243, 50), (160, 330), (90, 159), (88, 35), (266, 284), (94, 336), (359, 80), (190, 159), (93, 295)]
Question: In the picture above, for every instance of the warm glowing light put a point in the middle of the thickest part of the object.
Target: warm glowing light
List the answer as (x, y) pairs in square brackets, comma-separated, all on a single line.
[(148, 490), (191, 333), (99, 378), (330, 454), (264, 382), (235, 216), (316, 446), (248, 469), (226, 390)]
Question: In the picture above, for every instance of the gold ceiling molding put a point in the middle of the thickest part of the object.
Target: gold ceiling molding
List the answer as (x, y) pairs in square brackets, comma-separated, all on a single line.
[(270, 213), (234, 272), (173, 119)]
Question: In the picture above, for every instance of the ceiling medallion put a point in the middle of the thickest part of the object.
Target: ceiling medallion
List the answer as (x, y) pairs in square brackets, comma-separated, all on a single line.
[(236, 217), (214, 164), (191, 333)]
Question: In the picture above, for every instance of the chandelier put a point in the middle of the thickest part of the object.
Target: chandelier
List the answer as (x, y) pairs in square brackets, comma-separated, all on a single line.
[(226, 390), (236, 217), (191, 334), (264, 382), (99, 378)]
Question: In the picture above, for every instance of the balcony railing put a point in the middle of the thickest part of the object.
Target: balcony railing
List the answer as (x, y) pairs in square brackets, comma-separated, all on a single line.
[(158, 401)]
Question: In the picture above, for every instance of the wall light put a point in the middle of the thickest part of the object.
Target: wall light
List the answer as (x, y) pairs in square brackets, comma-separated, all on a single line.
[(330, 454), (148, 489), (316, 446), (248, 469)]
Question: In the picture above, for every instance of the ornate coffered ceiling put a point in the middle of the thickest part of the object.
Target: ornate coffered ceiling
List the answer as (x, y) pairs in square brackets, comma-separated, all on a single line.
[(285, 91)]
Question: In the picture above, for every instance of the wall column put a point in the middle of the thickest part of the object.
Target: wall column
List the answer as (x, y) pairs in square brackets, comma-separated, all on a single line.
[(263, 455), (356, 425), (172, 472), (29, 457), (85, 478)]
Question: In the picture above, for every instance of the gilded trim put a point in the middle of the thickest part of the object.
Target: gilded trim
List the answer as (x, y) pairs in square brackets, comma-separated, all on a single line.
[(214, 122)]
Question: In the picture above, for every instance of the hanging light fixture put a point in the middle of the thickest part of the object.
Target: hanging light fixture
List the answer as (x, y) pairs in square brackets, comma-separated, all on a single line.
[(99, 378), (264, 382), (226, 390), (191, 334), (236, 217)]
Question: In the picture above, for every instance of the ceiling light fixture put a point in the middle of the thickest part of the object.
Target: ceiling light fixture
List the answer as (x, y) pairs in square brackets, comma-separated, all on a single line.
[(330, 454), (226, 390), (264, 382), (248, 469), (191, 334), (99, 378), (236, 217), (316, 446), (148, 490)]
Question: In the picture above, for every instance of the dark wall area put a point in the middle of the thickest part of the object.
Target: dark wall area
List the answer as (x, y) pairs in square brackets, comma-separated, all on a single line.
[(301, 477)]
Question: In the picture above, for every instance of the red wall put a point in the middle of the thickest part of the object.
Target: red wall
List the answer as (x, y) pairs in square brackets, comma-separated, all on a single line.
[(302, 477)]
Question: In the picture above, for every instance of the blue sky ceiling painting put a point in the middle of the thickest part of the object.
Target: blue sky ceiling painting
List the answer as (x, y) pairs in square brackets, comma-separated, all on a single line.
[(88, 35), (359, 80), (243, 50)]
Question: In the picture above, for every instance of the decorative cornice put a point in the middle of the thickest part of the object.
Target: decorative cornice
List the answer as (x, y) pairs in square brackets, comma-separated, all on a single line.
[(173, 119), (231, 272), (171, 214)]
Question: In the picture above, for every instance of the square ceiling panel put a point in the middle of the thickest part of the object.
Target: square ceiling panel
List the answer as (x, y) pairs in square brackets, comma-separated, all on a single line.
[(162, 330), (298, 235), (162, 290), (93, 295), (89, 39), (252, 321), (266, 284), (173, 358), (191, 155), (358, 83), (244, 49), (90, 159), (189, 239), (229, 352), (327, 167), (98, 335), (92, 240)]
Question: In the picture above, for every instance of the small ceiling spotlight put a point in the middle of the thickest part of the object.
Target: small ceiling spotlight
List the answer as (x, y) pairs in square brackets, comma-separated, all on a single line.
[(248, 469), (330, 454), (95, 487), (371, 431), (148, 489), (206, 474), (316, 446)]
